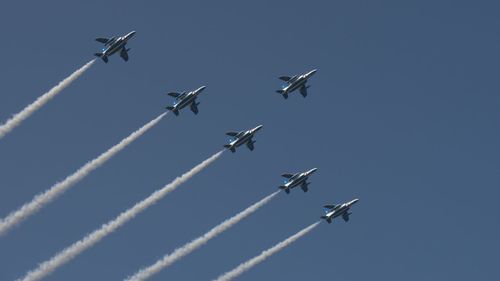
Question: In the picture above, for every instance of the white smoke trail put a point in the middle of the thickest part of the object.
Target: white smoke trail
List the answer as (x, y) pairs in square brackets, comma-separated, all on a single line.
[(230, 275), (167, 260), (91, 239), (16, 120), (59, 188)]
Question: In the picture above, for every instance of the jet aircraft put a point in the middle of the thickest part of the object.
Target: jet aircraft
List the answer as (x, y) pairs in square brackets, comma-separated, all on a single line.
[(243, 137), (294, 83), (293, 180), (113, 45), (184, 99), (333, 211)]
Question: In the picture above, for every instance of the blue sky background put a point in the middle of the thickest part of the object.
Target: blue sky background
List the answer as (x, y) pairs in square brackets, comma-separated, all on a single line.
[(403, 114)]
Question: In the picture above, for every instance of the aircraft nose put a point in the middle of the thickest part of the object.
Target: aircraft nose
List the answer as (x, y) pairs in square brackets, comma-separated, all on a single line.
[(258, 128), (312, 72), (354, 201), (201, 88), (313, 170), (130, 34)]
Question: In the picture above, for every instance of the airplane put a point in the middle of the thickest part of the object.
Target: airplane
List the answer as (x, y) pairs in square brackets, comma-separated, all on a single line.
[(333, 211), (294, 83), (184, 99), (113, 45), (243, 137), (293, 180)]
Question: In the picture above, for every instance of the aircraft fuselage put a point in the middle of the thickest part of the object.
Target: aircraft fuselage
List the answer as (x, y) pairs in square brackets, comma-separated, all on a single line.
[(293, 182), (190, 98), (247, 136), (301, 81), (114, 47)]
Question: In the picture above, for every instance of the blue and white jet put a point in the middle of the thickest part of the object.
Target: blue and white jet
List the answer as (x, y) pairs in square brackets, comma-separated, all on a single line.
[(293, 180), (184, 99), (294, 83), (113, 45), (243, 137), (333, 211)]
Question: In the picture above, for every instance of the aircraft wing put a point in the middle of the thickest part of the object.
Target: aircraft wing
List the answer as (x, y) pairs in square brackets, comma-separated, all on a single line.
[(303, 91), (285, 78), (345, 216), (304, 186), (102, 40), (174, 94), (124, 54), (330, 207), (194, 107), (286, 175), (232, 134), (250, 145)]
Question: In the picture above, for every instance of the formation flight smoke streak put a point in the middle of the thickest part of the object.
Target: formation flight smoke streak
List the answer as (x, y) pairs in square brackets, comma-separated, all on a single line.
[(230, 275), (167, 260), (59, 188), (18, 118), (91, 239)]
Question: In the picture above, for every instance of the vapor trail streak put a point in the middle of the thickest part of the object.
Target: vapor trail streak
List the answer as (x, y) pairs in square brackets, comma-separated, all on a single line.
[(93, 238), (167, 260), (230, 275), (18, 118), (59, 188)]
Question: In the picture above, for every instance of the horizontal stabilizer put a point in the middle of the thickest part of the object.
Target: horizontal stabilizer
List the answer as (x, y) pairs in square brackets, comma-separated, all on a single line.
[(175, 111), (103, 57), (233, 150), (328, 219), (285, 188)]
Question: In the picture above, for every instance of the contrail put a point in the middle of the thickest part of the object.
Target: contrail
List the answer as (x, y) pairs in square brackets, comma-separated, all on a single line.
[(59, 188), (18, 118), (91, 239), (167, 260), (230, 275)]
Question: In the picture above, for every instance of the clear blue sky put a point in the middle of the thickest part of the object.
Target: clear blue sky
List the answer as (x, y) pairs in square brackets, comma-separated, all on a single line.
[(403, 114)]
